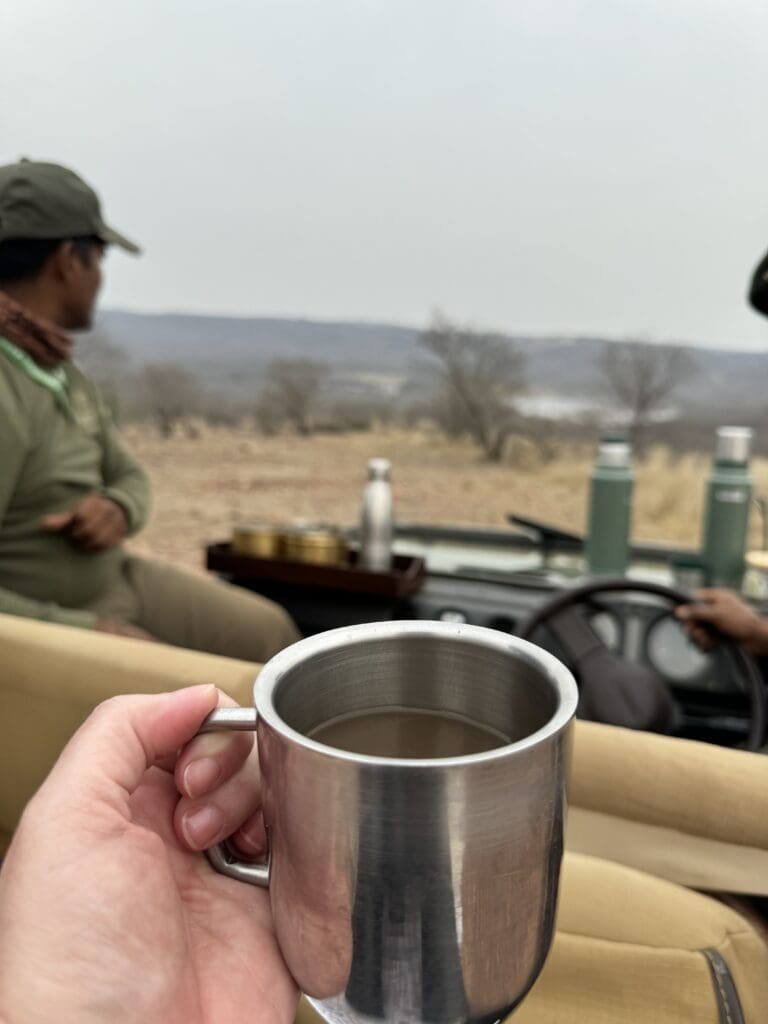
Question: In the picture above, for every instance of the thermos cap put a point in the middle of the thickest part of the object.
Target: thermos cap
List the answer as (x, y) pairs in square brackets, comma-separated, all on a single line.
[(733, 444), (378, 469), (614, 453)]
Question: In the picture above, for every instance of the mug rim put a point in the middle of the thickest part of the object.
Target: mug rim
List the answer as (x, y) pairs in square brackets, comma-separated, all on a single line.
[(285, 661)]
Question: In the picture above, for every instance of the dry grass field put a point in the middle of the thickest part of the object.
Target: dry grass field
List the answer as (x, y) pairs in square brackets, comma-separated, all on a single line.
[(203, 486)]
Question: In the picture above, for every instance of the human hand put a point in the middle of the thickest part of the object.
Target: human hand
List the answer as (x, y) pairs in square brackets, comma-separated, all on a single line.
[(117, 628), (105, 914), (95, 523), (729, 615)]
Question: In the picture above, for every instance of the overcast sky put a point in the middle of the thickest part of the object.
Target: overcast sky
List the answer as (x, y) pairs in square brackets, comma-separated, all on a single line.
[(590, 166)]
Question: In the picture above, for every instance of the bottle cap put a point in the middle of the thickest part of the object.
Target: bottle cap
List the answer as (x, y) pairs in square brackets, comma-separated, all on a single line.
[(379, 469), (733, 444), (614, 452)]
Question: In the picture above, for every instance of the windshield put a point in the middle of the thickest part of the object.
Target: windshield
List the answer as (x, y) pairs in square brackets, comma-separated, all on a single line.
[(469, 238)]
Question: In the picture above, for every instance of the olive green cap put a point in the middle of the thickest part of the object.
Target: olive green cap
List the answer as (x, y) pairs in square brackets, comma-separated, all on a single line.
[(42, 200)]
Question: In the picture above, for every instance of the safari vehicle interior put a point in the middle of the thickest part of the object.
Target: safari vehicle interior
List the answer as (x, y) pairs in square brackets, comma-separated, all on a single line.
[(528, 581), (451, 154), (665, 877)]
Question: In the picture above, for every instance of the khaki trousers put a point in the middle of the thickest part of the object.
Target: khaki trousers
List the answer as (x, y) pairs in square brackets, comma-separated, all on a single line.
[(200, 613)]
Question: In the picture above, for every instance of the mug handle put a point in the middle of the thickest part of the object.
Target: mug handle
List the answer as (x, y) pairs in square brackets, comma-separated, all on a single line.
[(221, 856)]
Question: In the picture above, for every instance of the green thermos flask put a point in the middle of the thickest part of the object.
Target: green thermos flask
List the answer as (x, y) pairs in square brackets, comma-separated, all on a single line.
[(729, 493), (610, 508)]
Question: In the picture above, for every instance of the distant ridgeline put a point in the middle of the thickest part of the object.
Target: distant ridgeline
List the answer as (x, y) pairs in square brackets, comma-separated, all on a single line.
[(229, 353)]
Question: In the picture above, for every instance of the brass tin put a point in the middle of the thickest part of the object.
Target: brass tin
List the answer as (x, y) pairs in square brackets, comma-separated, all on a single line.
[(259, 540), (315, 546)]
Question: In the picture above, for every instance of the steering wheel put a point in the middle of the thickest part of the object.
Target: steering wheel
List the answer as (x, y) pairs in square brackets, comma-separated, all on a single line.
[(621, 692)]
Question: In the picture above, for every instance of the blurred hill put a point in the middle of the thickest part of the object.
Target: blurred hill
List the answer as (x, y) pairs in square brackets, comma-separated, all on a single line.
[(230, 352)]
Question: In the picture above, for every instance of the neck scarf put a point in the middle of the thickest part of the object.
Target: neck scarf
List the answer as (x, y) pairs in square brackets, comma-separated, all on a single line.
[(42, 340)]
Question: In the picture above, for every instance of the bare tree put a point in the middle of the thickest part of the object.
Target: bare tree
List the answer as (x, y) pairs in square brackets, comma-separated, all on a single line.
[(642, 378), (481, 374), (290, 394), (108, 366), (169, 394)]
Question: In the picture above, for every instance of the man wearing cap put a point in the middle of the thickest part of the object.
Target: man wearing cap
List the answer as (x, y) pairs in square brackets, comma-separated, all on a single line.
[(69, 492)]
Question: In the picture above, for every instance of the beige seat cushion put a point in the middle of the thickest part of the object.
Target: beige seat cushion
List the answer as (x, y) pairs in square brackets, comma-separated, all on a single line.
[(628, 946), (689, 812), (51, 677), (684, 811), (629, 949)]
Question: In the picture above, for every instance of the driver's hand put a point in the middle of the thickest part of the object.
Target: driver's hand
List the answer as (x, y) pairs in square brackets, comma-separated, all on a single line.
[(728, 614)]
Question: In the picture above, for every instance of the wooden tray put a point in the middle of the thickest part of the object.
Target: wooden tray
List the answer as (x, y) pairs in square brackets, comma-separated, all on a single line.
[(406, 576)]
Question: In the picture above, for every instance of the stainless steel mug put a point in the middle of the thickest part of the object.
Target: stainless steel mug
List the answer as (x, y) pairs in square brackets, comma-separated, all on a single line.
[(411, 890)]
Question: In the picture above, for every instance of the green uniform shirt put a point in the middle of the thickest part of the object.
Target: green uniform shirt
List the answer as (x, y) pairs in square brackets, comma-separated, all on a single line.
[(57, 444)]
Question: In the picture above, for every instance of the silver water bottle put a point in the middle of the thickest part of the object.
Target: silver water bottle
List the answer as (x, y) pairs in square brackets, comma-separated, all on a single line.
[(377, 519)]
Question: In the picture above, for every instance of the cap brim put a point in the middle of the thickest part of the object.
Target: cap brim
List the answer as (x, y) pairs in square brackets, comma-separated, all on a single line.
[(112, 237)]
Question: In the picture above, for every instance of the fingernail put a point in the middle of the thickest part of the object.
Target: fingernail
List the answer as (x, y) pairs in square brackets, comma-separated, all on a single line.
[(201, 827), (251, 840), (200, 776)]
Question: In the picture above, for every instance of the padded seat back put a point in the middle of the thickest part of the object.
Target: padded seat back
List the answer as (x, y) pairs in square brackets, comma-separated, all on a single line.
[(51, 678)]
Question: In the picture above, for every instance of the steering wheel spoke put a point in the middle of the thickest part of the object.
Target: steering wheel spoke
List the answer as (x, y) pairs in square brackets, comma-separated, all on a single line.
[(576, 635)]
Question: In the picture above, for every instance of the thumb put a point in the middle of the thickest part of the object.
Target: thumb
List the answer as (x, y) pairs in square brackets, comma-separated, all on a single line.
[(57, 521), (698, 612), (683, 612), (125, 736)]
